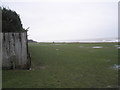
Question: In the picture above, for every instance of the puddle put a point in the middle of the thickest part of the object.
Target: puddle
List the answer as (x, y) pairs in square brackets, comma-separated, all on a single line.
[(81, 46), (97, 47), (108, 86), (117, 45), (116, 67), (38, 68)]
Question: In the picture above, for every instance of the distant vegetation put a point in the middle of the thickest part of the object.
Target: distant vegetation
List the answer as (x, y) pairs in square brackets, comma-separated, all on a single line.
[(11, 21), (32, 41)]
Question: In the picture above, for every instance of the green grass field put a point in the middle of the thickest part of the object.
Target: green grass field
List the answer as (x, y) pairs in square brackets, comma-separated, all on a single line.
[(72, 65)]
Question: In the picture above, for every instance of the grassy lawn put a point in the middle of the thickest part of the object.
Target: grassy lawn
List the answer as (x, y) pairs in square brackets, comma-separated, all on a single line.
[(64, 65)]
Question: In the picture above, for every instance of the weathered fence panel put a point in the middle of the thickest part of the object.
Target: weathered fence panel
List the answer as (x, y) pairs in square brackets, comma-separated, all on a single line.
[(15, 51)]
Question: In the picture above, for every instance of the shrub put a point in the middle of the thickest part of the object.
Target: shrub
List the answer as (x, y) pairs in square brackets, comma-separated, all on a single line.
[(11, 21)]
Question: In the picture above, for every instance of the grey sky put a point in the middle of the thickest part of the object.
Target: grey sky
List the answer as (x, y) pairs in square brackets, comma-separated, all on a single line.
[(69, 20)]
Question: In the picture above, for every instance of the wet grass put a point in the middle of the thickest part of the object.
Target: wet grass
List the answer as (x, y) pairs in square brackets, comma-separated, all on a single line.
[(65, 65)]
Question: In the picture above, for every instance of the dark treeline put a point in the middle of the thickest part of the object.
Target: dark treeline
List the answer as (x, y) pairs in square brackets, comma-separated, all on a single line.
[(11, 21), (32, 41)]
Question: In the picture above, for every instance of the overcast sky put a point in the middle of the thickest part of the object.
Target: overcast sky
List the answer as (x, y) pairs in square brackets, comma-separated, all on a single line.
[(67, 19)]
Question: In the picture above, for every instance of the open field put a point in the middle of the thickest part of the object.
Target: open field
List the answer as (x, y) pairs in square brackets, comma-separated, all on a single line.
[(73, 65)]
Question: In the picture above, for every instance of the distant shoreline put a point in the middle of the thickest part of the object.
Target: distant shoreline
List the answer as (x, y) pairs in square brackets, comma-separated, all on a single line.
[(73, 42)]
